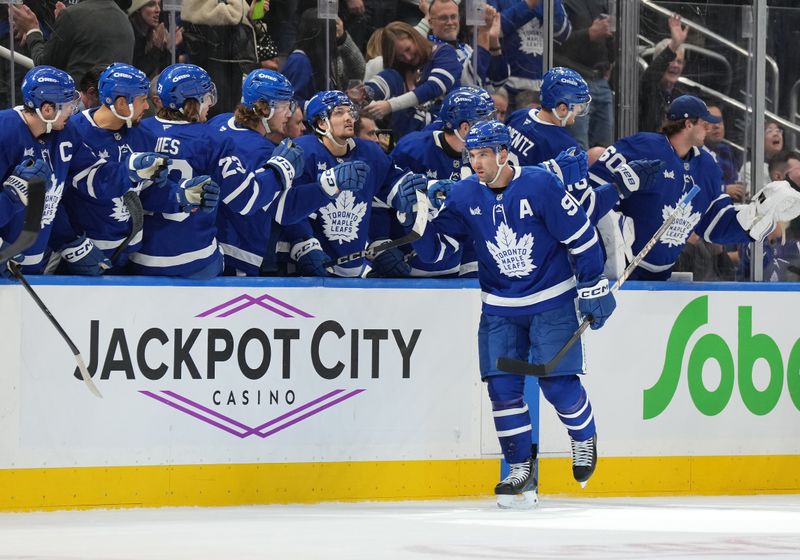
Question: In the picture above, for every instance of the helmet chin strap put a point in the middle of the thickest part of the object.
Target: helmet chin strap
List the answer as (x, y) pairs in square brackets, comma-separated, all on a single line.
[(500, 167), (265, 121), (329, 135), (48, 123), (566, 117), (129, 119)]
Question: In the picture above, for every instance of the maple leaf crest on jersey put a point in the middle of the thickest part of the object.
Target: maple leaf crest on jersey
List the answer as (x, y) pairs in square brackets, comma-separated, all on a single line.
[(684, 224), (342, 217), (513, 257)]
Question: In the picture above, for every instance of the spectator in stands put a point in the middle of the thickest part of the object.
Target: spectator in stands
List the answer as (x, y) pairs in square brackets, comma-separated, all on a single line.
[(87, 88), (782, 164), (305, 67), (373, 57), (773, 143), (367, 129), (220, 38), (151, 52), (266, 49), (727, 158), (416, 73), (85, 35), (658, 86), (500, 98), (523, 44), (590, 51), (441, 24)]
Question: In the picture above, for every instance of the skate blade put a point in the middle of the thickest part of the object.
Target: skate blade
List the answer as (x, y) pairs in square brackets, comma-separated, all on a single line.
[(525, 500)]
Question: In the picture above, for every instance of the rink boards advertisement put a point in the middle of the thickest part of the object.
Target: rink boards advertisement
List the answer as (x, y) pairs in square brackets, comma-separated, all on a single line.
[(268, 381)]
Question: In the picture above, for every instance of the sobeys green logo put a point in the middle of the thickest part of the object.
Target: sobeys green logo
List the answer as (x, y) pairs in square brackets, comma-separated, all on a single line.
[(750, 348)]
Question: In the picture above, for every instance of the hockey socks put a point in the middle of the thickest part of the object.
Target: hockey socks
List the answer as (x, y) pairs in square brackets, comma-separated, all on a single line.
[(513, 424)]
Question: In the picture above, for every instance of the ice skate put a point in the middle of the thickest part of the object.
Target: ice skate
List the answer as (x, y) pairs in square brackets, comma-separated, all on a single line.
[(584, 459), (519, 489)]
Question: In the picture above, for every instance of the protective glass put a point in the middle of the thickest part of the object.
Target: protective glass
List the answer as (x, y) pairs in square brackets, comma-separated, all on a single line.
[(342, 110), (286, 106)]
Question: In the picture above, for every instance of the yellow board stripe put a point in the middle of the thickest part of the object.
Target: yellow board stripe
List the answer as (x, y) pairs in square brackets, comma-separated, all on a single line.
[(240, 484), (664, 476)]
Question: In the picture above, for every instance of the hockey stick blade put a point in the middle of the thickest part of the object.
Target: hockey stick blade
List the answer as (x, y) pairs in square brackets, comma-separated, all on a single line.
[(33, 220), (136, 213), (522, 367), (84, 371), (417, 230)]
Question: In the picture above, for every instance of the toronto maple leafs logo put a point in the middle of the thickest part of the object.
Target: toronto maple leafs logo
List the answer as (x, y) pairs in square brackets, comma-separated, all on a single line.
[(51, 199), (103, 154), (341, 218), (322, 166), (28, 152), (669, 174), (120, 211), (514, 258), (431, 174), (531, 39), (679, 231)]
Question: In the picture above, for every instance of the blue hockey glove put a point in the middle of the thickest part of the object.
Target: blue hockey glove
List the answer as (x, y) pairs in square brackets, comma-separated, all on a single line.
[(148, 166), (389, 264), (17, 182), (198, 193), (310, 258), (348, 176), (571, 166), (438, 191), (83, 258), (287, 160), (596, 300), (637, 175), (406, 195)]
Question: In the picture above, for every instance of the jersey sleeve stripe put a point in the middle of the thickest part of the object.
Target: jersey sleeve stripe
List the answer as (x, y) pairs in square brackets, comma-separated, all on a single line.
[(577, 234), (238, 190), (585, 246), (717, 218)]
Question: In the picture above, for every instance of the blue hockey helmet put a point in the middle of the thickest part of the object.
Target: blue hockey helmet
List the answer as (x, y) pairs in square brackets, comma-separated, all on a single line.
[(181, 82), (466, 104), (564, 85), (45, 84), (323, 103), (266, 85), (489, 134), (122, 80)]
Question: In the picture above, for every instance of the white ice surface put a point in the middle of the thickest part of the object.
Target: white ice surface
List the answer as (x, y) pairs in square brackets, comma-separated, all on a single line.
[(622, 528)]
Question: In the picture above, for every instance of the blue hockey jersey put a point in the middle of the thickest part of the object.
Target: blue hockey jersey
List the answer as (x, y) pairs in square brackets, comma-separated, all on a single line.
[(710, 214), (343, 225), (63, 150), (429, 154), (95, 208), (245, 239), (523, 40), (525, 237)]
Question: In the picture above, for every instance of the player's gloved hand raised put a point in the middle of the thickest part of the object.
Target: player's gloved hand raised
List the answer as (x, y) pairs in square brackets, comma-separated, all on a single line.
[(198, 193), (438, 191), (405, 197), (596, 300), (83, 258), (388, 264), (17, 182), (287, 159), (637, 175), (347, 176), (571, 166), (310, 258), (148, 166)]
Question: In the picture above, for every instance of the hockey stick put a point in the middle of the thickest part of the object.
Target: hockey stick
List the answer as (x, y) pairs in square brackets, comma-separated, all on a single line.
[(33, 220), (15, 270), (417, 230), (136, 212), (521, 367)]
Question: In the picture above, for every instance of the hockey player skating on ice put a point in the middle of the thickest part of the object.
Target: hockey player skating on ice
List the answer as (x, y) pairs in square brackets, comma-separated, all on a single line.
[(711, 214), (537, 251), (256, 129), (39, 139)]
